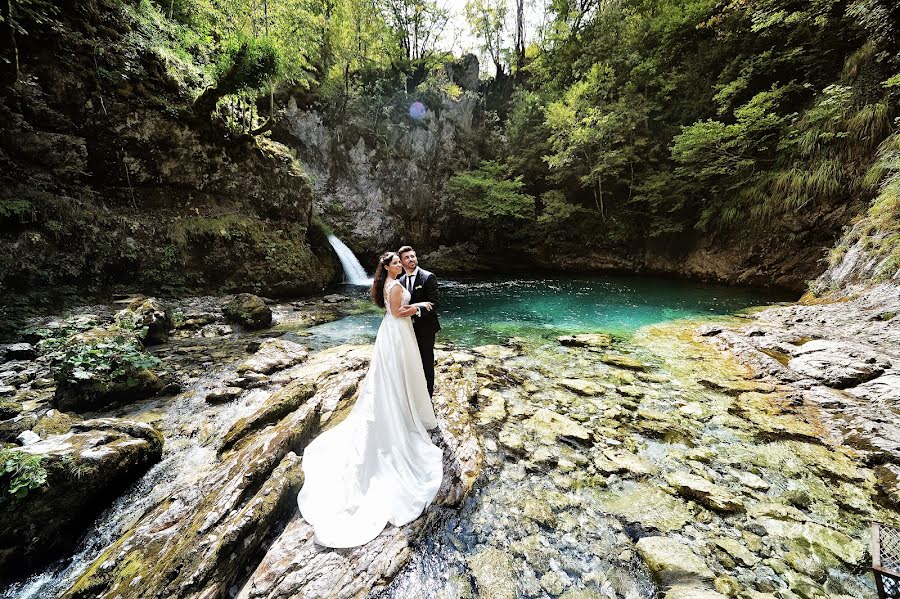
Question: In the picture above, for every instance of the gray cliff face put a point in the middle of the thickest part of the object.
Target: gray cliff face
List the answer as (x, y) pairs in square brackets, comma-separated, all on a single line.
[(380, 184)]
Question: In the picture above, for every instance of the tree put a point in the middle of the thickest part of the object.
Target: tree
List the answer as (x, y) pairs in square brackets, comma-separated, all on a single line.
[(417, 25), (486, 18)]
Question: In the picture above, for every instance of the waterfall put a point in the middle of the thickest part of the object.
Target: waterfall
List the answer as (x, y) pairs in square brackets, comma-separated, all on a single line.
[(354, 273)]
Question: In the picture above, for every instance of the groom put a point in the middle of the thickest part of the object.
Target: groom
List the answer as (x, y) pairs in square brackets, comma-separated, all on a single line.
[(424, 288)]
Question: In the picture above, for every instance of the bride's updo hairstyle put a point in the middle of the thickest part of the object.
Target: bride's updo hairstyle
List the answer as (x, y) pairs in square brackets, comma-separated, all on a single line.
[(381, 273)]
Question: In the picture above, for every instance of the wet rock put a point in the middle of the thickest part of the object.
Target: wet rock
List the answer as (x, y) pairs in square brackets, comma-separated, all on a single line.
[(492, 406), (198, 541), (849, 550), (499, 352), (693, 591), (589, 340), (493, 574), (701, 490), (554, 582), (582, 387), (549, 425), (248, 310), (9, 409), (293, 566), (538, 511), (647, 505), (624, 362), (709, 330), (18, 351), (614, 462), (838, 364), (54, 422), (273, 354), (223, 394), (151, 316), (736, 387), (7, 391), (86, 469), (278, 405), (10, 429), (335, 298), (737, 550), (672, 561)]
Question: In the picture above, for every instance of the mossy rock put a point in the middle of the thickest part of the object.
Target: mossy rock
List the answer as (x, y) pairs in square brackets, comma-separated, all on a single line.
[(624, 362), (150, 316), (9, 409), (248, 310)]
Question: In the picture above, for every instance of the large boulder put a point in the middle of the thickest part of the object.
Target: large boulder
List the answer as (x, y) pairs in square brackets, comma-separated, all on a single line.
[(248, 310), (151, 319), (838, 364), (102, 366), (85, 470)]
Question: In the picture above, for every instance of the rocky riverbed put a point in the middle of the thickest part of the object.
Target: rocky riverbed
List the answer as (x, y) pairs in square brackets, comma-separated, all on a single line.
[(741, 457)]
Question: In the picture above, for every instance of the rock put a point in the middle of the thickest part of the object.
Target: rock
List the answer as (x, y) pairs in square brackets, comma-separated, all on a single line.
[(549, 425), (7, 391), (86, 469), (623, 461), (709, 330), (274, 354), (671, 561), (278, 405), (492, 406), (493, 574), (693, 591), (849, 550), (19, 351), (223, 394), (582, 387), (711, 495), (116, 371), (498, 352), (248, 310), (589, 340), (554, 583), (294, 566), (335, 298), (648, 505), (736, 387), (737, 550), (9, 409), (623, 362), (27, 438), (53, 422), (885, 388), (838, 364), (149, 315), (539, 511)]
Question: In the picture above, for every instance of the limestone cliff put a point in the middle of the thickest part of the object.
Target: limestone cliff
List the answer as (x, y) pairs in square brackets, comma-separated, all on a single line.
[(108, 180)]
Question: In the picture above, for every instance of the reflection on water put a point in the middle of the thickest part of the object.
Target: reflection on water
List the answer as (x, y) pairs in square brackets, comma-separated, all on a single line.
[(475, 312)]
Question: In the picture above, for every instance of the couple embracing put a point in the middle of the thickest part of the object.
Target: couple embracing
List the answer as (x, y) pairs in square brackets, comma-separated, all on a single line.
[(379, 465)]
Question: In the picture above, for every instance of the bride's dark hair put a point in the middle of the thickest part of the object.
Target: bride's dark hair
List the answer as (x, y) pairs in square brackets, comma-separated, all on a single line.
[(381, 273)]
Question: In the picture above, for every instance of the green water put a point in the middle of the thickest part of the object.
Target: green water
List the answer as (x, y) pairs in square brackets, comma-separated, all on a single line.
[(479, 311)]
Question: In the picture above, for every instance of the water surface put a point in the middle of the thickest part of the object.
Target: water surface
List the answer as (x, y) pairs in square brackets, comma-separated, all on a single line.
[(479, 311)]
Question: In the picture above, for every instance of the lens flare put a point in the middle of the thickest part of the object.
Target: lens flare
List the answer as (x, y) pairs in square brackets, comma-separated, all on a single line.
[(417, 111)]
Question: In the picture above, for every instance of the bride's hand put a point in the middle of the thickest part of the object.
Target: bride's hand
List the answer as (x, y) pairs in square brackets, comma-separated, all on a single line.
[(406, 311)]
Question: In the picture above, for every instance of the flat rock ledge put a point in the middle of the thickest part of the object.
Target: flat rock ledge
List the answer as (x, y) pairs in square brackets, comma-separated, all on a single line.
[(238, 530), (841, 358)]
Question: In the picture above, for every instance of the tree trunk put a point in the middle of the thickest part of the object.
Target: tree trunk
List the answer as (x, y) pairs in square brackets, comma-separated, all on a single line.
[(520, 37), (9, 52)]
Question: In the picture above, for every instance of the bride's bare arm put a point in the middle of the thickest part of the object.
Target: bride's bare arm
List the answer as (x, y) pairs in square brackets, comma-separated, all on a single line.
[(396, 297)]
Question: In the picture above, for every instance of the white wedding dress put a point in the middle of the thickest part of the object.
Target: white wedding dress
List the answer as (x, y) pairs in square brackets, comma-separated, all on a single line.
[(378, 465)]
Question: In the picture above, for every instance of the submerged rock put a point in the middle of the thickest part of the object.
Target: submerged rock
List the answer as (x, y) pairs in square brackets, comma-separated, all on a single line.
[(86, 469), (494, 574), (248, 310), (672, 561), (589, 340)]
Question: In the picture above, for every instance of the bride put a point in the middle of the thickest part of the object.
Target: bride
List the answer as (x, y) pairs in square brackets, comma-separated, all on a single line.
[(378, 465)]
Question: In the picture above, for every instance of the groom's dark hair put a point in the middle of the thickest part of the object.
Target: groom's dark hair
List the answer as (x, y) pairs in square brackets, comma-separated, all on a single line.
[(404, 249)]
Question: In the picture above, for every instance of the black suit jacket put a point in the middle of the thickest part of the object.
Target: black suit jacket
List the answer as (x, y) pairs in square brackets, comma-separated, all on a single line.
[(425, 289)]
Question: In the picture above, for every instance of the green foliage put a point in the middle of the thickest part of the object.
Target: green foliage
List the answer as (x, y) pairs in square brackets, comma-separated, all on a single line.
[(245, 65), (20, 473), (113, 355), (489, 193), (14, 208)]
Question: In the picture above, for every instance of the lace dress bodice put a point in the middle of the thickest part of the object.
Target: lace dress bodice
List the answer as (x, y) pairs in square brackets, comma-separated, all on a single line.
[(387, 296)]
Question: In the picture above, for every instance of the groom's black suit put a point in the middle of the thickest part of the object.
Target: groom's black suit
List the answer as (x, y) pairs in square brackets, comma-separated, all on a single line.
[(426, 325)]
